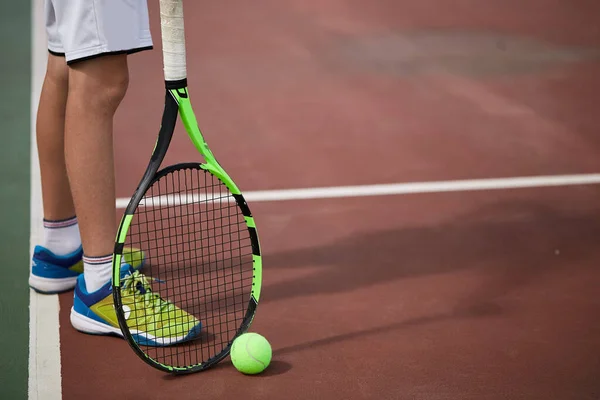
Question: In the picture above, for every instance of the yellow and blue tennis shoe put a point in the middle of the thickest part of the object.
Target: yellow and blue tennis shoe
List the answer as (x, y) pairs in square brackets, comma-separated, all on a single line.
[(152, 321)]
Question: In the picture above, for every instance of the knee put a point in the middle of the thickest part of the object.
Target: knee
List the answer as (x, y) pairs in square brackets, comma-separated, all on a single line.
[(100, 83), (111, 91)]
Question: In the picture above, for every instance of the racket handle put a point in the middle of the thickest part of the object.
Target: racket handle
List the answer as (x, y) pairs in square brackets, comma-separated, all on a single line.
[(173, 39)]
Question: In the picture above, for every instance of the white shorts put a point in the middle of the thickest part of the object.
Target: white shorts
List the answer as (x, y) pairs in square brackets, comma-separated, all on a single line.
[(83, 29)]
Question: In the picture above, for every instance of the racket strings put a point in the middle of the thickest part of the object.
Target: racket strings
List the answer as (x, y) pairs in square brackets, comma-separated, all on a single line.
[(197, 245)]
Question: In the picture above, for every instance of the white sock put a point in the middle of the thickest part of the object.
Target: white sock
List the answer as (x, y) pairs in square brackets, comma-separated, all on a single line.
[(96, 271), (62, 237)]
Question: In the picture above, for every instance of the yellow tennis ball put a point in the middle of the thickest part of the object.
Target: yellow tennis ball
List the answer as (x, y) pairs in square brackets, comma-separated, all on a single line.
[(251, 353)]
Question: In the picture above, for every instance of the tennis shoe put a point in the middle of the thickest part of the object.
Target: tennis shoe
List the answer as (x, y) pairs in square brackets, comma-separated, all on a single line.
[(51, 273), (152, 321)]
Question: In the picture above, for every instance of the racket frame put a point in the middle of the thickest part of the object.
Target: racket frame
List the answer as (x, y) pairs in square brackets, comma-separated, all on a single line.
[(177, 103)]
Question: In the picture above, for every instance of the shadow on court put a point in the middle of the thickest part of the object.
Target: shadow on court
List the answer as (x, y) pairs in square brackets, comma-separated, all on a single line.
[(514, 243), (491, 310)]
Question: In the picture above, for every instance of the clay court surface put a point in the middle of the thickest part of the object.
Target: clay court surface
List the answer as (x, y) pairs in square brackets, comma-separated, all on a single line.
[(480, 294)]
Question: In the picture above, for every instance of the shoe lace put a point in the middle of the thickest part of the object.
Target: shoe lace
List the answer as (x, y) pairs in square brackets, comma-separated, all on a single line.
[(138, 284)]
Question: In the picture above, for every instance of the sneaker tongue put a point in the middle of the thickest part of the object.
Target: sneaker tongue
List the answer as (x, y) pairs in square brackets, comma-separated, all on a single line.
[(140, 287)]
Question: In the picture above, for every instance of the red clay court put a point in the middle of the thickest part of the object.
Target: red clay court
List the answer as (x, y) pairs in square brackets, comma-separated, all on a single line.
[(433, 295)]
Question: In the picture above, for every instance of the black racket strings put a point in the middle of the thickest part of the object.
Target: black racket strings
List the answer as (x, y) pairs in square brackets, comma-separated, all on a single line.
[(198, 256)]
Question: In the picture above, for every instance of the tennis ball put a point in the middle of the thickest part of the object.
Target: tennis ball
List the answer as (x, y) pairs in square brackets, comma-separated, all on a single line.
[(251, 353)]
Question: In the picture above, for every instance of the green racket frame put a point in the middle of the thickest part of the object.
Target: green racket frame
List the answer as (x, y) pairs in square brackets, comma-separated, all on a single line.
[(177, 102)]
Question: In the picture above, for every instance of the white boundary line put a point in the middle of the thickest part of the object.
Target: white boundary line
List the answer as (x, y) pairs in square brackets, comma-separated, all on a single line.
[(401, 188), (44, 381)]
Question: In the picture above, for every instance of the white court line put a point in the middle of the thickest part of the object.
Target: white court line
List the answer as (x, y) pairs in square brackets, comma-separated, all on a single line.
[(395, 189), (44, 381)]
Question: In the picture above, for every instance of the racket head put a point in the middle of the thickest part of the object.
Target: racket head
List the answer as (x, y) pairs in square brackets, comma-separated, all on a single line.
[(201, 253)]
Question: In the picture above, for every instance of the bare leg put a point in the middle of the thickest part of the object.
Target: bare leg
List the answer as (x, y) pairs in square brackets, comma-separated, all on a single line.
[(96, 88), (50, 128)]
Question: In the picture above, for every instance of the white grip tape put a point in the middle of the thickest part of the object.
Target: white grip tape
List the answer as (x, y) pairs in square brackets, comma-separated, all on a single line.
[(173, 39)]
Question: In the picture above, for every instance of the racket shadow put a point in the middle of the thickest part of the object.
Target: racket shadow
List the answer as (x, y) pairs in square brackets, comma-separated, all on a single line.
[(205, 338), (464, 311)]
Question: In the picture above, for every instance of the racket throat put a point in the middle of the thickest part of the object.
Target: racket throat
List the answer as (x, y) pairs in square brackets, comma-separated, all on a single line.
[(191, 126)]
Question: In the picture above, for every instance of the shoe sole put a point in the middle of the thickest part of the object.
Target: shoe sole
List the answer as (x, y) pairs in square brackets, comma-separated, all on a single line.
[(51, 285), (87, 325)]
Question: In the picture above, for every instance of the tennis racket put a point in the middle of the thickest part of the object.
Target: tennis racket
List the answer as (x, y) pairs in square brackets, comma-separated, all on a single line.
[(200, 282)]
